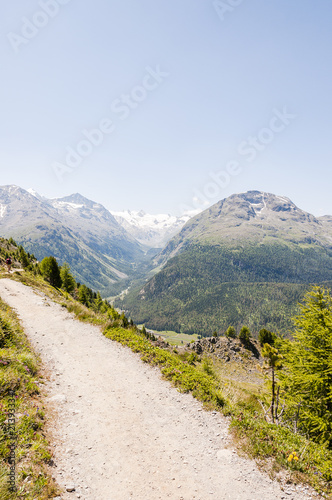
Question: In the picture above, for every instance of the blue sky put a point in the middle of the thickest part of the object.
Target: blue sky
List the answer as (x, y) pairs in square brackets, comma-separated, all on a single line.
[(182, 92)]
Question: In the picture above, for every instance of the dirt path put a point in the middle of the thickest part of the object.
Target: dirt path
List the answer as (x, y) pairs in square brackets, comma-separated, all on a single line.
[(122, 432)]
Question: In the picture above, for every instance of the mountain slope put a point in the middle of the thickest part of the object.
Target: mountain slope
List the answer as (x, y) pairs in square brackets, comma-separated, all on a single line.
[(73, 229), (212, 268), (253, 217)]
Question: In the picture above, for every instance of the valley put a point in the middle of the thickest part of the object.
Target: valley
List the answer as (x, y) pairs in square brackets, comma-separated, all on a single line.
[(248, 259), (66, 351)]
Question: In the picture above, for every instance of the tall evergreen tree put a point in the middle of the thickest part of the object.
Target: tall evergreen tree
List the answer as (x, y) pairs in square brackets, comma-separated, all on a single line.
[(231, 332), (307, 377), (245, 336), (68, 281), (50, 271), (23, 257), (273, 363), (98, 302), (266, 337)]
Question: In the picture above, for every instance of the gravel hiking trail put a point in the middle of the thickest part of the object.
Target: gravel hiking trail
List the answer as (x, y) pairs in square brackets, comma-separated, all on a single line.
[(120, 431)]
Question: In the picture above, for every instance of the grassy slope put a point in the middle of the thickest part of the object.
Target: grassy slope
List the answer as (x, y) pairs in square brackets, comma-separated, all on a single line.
[(20, 373)]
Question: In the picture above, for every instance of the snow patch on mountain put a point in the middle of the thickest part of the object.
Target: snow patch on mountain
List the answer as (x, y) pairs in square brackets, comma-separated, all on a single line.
[(66, 204), (36, 195), (3, 209), (151, 230), (142, 219)]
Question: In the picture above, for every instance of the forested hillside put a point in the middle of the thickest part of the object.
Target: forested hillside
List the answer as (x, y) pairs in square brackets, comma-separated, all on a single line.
[(249, 259)]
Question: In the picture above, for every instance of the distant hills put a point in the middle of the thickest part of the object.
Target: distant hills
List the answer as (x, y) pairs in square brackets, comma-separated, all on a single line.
[(247, 259)]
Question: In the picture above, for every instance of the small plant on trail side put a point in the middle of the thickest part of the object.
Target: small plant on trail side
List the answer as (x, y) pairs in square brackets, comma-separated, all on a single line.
[(207, 366)]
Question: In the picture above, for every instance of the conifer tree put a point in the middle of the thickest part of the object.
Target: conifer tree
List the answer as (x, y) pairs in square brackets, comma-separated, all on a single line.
[(84, 295), (245, 336), (266, 337), (307, 378), (68, 282), (98, 302), (231, 332), (273, 363), (50, 271), (23, 257)]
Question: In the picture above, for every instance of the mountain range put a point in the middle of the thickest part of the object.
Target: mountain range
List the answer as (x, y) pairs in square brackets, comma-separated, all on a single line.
[(73, 229), (246, 260), (105, 251)]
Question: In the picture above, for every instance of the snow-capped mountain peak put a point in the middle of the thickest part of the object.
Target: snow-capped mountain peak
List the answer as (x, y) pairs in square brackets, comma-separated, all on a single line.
[(148, 229), (35, 194)]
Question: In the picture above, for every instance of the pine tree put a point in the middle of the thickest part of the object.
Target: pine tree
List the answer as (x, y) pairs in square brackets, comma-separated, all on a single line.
[(308, 362), (98, 302), (68, 281), (266, 337), (23, 257), (231, 332), (50, 271), (84, 295), (273, 362), (245, 336), (12, 242)]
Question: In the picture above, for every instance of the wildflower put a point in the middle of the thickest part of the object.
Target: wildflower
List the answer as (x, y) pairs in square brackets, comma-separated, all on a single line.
[(293, 456)]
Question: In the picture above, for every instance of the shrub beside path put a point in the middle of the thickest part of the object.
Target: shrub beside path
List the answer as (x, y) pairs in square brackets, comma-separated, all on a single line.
[(120, 431)]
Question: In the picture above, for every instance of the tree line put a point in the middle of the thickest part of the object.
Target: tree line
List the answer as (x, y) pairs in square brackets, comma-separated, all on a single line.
[(59, 276)]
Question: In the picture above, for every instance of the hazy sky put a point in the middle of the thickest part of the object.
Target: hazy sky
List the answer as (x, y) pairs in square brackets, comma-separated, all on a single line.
[(167, 105)]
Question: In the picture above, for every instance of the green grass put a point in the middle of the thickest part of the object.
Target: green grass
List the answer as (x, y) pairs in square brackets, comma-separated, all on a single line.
[(263, 440), (175, 338), (19, 383)]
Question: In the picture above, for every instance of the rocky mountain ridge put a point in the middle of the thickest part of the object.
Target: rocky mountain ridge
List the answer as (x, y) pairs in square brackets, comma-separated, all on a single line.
[(253, 217)]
